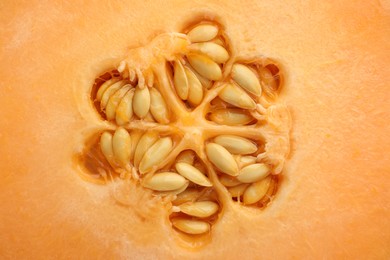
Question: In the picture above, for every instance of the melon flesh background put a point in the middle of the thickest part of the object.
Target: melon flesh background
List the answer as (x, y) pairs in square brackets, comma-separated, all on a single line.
[(335, 197)]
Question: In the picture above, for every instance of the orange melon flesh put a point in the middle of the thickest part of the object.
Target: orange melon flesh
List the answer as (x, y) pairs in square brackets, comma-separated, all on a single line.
[(334, 199)]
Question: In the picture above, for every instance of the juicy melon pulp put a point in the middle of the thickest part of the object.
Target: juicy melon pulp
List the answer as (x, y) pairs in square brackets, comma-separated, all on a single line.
[(333, 198)]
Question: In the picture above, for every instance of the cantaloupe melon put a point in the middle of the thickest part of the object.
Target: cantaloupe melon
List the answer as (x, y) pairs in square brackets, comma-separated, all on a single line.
[(318, 187)]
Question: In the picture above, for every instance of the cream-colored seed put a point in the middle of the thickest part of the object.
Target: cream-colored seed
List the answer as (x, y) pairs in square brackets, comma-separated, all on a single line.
[(106, 147), (155, 154), (229, 181), (175, 192), (114, 101), (141, 101), (271, 191), (190, 194), (222, 159), (195, 93), (146, 141), (109, 92), (135, 136), (206, 83), (236, 144), (187, 156), (104, 87), (158, 107), (180, 80), (236, 96), (203, 33), (205, 66), (121, 144), (231, 116), (193, 174), (256, 191), (246, 79), (164, 181), (200, 209), (124, 112), (214, 51), (253, 173), (238, 190), (189, 226), (247, 160)]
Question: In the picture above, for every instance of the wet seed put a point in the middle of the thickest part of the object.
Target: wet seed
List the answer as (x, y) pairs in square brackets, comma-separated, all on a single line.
[(246, 79), (256, 191), (214, 51), (236, 144), (193, 174), (158, 107), (121, 143), (195, 94), (205, 66), (164, 181), (146, 141), (104, 87), (231, 116), (155, 154), (222, 159), (193, 227), (114, 101), (200, 209), (124, 111), (237, 97), (253, 173), (109, 92), (203, 33), (180, 80)]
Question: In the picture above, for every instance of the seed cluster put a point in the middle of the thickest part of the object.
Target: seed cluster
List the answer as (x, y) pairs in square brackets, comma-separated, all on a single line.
[(201, 66), (121, 102), (187, 116)]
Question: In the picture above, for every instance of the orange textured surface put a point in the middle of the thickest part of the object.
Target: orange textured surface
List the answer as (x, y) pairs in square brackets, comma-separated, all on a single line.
[(334, 201)]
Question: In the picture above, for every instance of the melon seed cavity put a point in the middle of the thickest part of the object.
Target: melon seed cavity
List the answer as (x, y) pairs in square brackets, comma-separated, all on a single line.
[(188, 121)]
